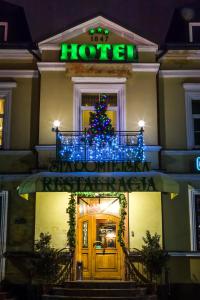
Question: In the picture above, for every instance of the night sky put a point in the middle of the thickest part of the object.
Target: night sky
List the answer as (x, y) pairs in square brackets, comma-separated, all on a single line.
[(148, 18)]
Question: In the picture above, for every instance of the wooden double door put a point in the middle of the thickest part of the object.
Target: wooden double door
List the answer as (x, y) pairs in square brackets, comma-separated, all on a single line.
[(98, 248)]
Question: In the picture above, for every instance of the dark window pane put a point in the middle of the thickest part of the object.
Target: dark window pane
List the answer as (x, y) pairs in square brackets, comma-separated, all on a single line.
[(196, 124), (196, 106), (196, 34), (2, 30), (197, 138)]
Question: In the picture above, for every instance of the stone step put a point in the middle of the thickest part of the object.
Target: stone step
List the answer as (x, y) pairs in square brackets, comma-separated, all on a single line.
[(100, 284), (100, 292), (59, 297)]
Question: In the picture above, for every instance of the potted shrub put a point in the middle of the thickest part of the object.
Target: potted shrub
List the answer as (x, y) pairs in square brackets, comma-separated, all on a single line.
[(153, 256), (47, 261)]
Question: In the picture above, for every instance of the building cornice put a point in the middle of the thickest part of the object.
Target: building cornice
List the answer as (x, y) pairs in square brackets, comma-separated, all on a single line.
[(181, 152), (99, 79), (143, 48), (189, 54), (191, 87), (19, 73), (145, 67), (179, 73), (51, 66), (15, 54), (8, 85)]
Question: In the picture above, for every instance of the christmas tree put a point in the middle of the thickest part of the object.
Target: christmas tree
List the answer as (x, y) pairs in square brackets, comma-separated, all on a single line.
[(100, 129)]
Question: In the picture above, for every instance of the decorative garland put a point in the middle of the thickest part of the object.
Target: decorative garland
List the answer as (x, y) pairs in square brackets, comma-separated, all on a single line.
[(71, 210), (71, 234)]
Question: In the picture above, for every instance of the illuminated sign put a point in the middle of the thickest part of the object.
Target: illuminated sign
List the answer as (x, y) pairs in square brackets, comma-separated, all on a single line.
[(98, 52), (198, 163), (98, 184), (86, 166)]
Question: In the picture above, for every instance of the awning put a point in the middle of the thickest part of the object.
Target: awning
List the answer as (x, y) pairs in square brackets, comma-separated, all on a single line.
[(151, 181)]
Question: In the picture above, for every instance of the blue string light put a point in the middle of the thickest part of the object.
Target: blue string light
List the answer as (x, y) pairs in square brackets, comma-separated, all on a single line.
[(111, 148)]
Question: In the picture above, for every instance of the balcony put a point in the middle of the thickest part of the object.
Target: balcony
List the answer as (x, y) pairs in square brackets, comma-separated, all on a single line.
[(122, 146)]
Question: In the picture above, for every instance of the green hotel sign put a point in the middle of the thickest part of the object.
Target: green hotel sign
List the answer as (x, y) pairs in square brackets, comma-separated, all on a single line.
[(98, 52)]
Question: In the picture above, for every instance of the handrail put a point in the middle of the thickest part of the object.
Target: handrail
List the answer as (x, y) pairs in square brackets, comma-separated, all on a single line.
[(133, 272)]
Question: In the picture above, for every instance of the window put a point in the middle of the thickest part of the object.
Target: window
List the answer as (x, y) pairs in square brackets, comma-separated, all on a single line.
[(5, 113), (2, 104), (192, 107), (89, 89), (194, 206), (3, 31), (87, 105), (3, 230)]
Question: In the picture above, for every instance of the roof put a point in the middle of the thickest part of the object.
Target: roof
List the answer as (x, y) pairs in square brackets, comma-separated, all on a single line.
[(178, 34), (18, 30)]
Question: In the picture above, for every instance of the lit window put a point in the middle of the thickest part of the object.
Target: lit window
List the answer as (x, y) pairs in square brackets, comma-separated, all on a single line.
[(2, 109), (87, 106)]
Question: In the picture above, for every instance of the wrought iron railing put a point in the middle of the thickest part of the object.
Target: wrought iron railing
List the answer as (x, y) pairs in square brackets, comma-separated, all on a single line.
[(79, 146), (134, 266)]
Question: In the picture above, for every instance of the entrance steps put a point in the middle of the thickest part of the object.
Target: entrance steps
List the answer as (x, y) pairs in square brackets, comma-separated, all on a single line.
[(100, 290)]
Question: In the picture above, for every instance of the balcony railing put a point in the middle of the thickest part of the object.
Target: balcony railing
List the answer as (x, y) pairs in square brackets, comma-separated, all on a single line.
[(78, 146)]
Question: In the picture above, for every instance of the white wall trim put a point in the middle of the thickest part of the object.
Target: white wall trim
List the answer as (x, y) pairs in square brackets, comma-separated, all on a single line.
[(6, 94), (192, 213), (179, 73), (15, 54), (99, 79), (8, 85), (118, 88), (191, 87), (145, 67), (143, 48), (3, 232), (49, 66), (152, 148), (180, 152), (184, 254), (19, 73), (39, 148), (185, 177), (191, 25), (5, 25)]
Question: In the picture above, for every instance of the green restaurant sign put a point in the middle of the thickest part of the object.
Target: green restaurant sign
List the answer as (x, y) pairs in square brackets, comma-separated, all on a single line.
[(98, 52)]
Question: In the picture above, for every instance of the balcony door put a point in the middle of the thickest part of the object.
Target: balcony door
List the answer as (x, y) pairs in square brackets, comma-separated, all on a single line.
[(87, 90), (88, 101), (97, 245)]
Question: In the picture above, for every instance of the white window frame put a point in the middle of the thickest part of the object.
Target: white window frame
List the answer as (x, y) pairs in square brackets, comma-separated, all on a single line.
[(5, 25), (192, 212), (99, 85), (191, 25), (6, 94), (192, 93), (3, 232)]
